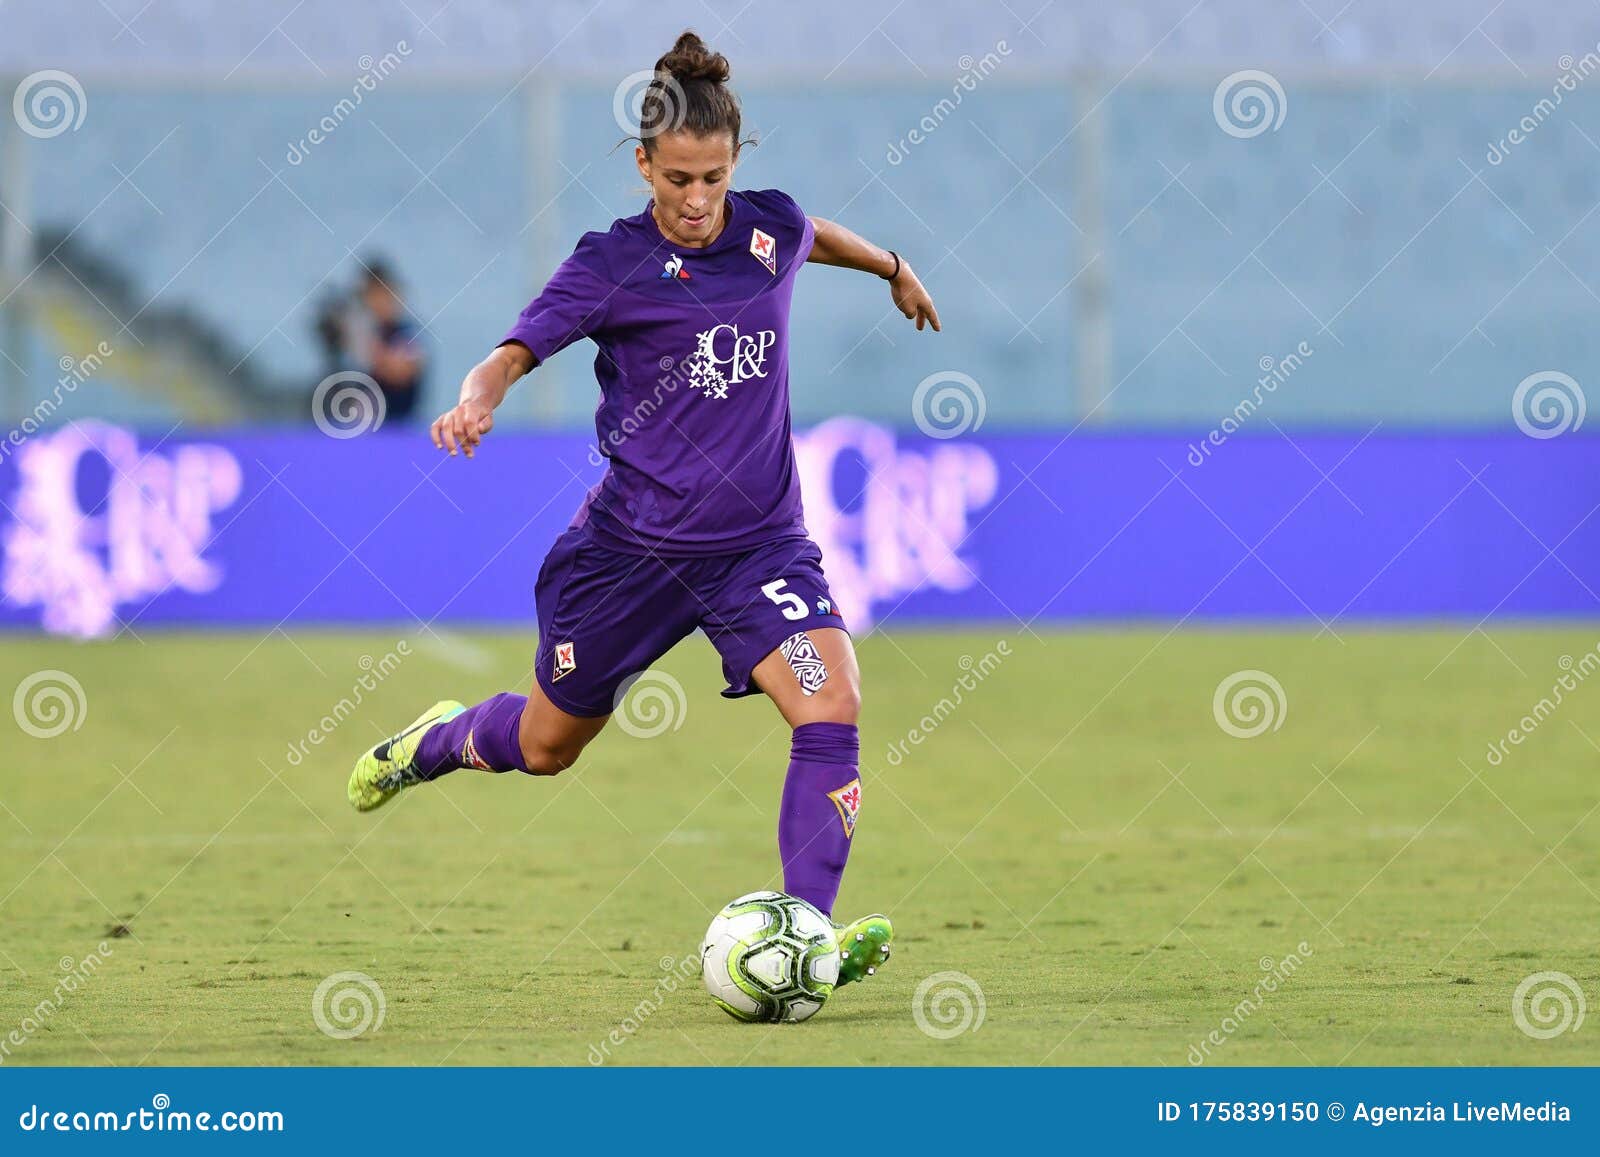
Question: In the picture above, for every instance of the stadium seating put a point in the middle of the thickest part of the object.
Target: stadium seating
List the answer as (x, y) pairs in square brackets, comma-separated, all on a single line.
[(1427, 279)]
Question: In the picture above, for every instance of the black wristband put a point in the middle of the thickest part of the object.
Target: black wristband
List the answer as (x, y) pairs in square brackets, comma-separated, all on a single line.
[(896, 272)]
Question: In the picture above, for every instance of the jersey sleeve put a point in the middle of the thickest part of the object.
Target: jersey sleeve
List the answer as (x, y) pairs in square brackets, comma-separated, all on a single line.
[(573, 305), (808, 234), (780, 204)]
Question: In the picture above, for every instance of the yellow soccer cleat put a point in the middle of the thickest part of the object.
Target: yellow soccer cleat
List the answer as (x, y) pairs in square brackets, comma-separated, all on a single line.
[(390, 768), (863, 947)]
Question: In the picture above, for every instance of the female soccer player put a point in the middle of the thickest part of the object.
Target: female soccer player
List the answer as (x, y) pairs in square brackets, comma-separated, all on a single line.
[(697, 522)]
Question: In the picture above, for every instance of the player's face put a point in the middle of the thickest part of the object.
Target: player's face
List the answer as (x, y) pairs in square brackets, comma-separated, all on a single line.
[(689, 177)]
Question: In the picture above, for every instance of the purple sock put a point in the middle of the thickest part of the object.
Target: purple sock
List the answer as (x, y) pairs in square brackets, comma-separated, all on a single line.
[(484, 737), (818, 816)]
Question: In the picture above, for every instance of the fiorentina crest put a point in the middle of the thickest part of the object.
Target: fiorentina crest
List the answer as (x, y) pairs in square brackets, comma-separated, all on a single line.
[(765, 249), (566, 661), (848, 800)]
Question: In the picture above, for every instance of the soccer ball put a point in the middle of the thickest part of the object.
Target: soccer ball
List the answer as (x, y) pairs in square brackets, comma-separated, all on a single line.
[(770, 957)]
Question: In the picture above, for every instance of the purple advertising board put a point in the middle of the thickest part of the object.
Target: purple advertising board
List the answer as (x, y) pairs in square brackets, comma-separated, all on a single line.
[(103, 527)]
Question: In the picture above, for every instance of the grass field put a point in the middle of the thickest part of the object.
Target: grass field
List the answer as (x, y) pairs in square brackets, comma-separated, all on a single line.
[(1079, 836)]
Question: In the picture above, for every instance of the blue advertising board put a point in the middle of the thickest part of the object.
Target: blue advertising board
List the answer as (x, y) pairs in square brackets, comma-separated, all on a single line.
[(101, 526)]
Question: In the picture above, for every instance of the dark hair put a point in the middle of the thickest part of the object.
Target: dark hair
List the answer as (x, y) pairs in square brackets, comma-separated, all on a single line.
[(689, 92), (377, 271)]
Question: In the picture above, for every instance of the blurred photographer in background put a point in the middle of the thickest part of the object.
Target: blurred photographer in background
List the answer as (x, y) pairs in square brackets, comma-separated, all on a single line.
[(371, 330)]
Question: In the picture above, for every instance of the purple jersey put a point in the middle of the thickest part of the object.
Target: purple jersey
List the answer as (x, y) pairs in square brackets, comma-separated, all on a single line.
[(694, 376)]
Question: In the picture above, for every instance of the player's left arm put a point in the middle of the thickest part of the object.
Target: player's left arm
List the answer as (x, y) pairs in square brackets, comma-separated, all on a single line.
[(836, 245)]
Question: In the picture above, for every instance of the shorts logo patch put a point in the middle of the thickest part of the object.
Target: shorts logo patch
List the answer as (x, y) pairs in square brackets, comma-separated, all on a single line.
[(824, 607), (470, 756), (806, 663), (566, 661), (848, 800), (765, 249)]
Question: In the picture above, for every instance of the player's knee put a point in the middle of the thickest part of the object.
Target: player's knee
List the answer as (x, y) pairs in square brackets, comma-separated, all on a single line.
[(837, 701), (539, 758)]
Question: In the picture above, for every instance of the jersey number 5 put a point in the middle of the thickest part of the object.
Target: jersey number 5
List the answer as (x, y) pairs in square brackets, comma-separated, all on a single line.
[(794, 607)]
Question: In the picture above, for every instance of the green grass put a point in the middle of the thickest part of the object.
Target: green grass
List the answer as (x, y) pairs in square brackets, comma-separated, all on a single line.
[(1038, 841)]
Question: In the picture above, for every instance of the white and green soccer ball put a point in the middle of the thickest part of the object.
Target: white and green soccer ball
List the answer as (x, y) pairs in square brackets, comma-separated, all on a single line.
[(770, 957)]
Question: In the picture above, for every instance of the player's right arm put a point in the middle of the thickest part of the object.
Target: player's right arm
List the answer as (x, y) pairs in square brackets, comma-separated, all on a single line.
[(482, 390)]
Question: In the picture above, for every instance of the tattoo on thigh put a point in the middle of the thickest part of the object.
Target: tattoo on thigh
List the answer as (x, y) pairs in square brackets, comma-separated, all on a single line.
[(805, 661)]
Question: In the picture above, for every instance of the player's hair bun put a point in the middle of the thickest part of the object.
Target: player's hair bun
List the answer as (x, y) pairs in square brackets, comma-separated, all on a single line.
[(690, 59), (688, 91)]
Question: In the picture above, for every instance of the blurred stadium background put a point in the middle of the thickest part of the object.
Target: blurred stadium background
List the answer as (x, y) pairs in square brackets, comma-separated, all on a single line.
[(1083, 218)]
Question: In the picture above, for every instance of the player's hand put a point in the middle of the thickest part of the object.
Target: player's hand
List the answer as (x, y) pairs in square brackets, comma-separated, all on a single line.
[(463, 427), (911, 299)]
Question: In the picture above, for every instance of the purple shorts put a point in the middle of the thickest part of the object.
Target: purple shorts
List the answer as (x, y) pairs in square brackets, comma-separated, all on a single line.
[(605, 616)]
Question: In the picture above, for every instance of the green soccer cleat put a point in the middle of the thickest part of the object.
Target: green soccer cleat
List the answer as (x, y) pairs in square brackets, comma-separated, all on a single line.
[(390, 768), (863, 947)]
